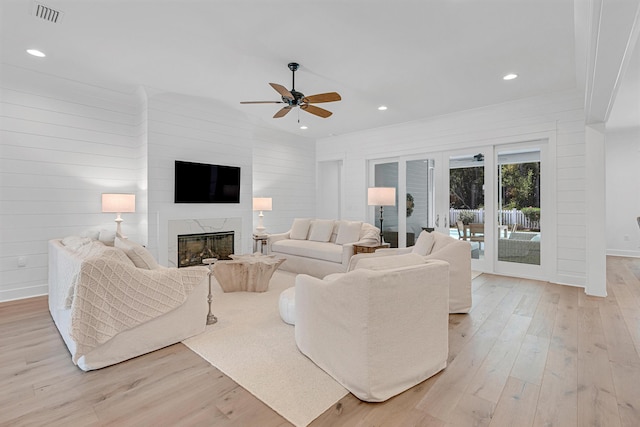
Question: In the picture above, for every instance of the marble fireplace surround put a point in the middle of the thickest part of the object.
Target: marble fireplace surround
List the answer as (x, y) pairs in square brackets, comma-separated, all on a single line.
[(194, 226)]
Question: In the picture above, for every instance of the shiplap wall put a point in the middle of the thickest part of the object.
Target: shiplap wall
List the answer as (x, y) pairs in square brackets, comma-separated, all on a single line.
[(198, 130), (284, 169), (63, 144), (623, 192), (560, 115)]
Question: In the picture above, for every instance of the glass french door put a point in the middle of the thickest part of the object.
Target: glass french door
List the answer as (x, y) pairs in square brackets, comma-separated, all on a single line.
[(495, 197), (521, 206), (462, 207), (414, 210)]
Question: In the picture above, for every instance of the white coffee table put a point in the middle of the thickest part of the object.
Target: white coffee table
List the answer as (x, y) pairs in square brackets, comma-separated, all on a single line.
[(250, 273)]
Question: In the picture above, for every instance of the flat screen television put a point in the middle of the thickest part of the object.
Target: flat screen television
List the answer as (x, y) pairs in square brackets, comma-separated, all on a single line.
[(204, 183)]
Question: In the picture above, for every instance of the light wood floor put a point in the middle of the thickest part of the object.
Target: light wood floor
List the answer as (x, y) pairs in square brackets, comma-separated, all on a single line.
[(529, 353)]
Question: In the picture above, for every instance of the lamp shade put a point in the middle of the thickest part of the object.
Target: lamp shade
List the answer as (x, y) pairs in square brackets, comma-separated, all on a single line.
[(118, 203), (262, 203), (382, 196)]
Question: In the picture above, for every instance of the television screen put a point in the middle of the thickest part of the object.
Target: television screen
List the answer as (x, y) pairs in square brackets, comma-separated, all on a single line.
[(203, 183)]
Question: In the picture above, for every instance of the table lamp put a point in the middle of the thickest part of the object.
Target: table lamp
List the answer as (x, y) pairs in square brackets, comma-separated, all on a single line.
[(381, 196), (261, 204), (118, 203)]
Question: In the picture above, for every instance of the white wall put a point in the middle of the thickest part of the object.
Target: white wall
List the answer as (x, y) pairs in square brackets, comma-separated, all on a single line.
[(560, 116), (284, 169), (63, 144), (194, 129), (623, 192)]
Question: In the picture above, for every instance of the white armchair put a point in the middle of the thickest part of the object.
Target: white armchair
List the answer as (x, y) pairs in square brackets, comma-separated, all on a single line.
[(378, 333), (438, 246)]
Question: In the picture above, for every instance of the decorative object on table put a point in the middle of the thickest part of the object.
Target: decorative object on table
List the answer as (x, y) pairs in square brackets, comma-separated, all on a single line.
[(119, 204), (381, 196), (261, 204), (211, 318)]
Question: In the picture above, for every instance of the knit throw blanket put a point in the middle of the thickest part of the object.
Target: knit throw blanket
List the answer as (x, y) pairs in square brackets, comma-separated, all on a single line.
[(112, 296)]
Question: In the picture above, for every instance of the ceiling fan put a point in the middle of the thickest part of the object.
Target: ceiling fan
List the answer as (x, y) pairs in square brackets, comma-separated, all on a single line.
[(294, 98)]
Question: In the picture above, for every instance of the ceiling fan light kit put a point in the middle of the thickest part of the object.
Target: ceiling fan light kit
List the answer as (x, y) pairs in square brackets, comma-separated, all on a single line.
[(292, 98)]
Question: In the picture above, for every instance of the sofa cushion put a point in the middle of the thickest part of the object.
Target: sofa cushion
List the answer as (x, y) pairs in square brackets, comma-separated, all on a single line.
[(424, 244), (440, 241), (389, 262), (309, 249), (320, 230), (137, 253), (349, 232), (300, 228)]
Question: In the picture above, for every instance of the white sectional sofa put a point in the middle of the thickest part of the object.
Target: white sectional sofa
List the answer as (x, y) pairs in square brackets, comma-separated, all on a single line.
[(319, 247), (114, 303)]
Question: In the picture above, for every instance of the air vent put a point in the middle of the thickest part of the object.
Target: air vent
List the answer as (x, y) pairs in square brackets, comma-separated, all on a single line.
[(46, 13)]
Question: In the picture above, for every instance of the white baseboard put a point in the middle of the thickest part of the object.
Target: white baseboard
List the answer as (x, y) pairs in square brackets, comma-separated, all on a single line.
[(564, 279), (22, 293), (623, 253)]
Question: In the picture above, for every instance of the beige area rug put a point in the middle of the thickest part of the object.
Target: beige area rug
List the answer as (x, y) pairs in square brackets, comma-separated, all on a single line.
[(254, 347)]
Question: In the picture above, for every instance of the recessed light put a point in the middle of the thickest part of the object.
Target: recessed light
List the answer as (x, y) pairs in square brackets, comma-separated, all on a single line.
[(510, 76), (382, 107), (36, 52), (303, 127)]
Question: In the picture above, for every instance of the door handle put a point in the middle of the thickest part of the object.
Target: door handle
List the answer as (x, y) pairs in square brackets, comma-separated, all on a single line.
[(438, 220)]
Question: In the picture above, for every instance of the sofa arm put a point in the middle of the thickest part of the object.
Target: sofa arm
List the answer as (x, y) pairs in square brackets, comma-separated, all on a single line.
[(272, 238)]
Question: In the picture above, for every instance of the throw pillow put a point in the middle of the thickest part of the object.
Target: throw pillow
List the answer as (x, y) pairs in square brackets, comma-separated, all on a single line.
[(137, 253), (389, 262), (107, 237), (300, 229), (348, 232), (75, 242), (424, 244), (321, 230)]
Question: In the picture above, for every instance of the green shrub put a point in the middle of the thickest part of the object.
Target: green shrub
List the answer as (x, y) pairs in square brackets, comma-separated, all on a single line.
[(532, 214), (466, 217)]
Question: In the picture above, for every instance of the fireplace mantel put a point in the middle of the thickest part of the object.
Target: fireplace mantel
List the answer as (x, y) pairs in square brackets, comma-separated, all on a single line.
[(194, 226)]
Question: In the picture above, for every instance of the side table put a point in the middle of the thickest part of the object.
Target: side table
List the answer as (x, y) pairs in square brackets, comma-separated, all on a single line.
[(211, 318), (259, 242), (368, 248)]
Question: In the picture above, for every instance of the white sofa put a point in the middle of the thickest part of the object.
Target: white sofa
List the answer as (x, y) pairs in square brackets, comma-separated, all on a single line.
[(380, 329), (320, 247), (438, 246), (114, 303)]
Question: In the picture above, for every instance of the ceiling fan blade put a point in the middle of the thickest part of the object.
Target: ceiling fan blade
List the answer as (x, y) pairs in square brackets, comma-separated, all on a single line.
[(321, 112), (261, 102), (282, 90), (323, 97), (282, 112)]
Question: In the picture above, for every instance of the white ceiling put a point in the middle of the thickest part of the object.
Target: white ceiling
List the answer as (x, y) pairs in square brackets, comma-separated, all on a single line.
[(420, 58)]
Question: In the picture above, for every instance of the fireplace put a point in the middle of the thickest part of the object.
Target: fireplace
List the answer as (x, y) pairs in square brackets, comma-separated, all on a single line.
[(193, 248)]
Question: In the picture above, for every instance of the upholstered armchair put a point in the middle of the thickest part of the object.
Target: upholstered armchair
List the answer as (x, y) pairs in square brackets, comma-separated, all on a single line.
[(438, 246), (377, 332)]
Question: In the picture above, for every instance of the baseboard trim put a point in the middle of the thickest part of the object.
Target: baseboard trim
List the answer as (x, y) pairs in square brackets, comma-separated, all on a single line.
[(22, 293), (623, 253)]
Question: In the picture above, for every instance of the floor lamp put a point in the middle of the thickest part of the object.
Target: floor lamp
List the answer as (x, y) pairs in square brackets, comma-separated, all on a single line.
[(261, 204), (381, 196), (119, 203)]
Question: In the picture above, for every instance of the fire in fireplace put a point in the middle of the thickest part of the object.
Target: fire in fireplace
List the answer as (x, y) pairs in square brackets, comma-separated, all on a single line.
[(193, 248)]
